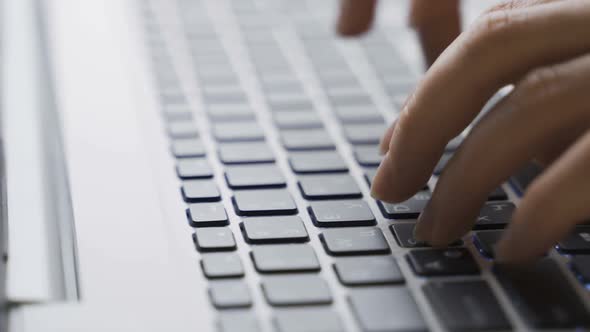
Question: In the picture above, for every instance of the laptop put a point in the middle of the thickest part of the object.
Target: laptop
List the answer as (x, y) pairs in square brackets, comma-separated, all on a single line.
[(205, 165)]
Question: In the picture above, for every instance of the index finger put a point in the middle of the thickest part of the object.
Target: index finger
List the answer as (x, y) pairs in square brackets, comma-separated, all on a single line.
[(498, 50)]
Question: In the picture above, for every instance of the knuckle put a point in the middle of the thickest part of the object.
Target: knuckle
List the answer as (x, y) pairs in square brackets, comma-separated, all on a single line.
[(542, 84), (492, 30)]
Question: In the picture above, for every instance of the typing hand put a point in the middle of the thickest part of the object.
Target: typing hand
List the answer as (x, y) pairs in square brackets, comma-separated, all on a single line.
[(540, 46)]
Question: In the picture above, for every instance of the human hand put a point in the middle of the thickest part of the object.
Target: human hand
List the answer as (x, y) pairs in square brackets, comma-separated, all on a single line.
[(437, 22), (540, 46)]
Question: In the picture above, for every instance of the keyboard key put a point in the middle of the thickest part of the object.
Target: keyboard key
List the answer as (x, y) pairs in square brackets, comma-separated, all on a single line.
[(466, 306), (195, 191), (364, 133), (581, 266), (254, 176), (341, 213), (264, 202), (238, 321), (183, 130), (222, 265), (245, 153), (367, 155), (290, 103), (442, 262), (332, 186), (279, 229), (285, 258), (353, 271), (358, 114), (308, 320), (485, 241), (498, 195), (309, 139), (193, 168), (409, 209), (391, 309), (207, 214), (404, 235), (297, 120), (442, 163), (230, 112), (229, 294), (370, 175), (214, 239), (317, 162), (543, 295), (187, 148), (494, 215), (296, 290), (351, 98), (354, 241), (237, 131), (577, 242)]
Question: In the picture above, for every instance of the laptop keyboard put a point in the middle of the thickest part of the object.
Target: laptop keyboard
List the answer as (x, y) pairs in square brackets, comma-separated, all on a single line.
[(339, 261)]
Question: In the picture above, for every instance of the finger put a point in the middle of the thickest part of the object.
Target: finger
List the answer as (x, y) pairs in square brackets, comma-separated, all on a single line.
[(520, 127), (437, 23), (552, 206), (356, 16), (384, 144), (497, 51)]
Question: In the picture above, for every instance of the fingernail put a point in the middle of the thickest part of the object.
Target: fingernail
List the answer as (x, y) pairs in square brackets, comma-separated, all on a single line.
[(380, 186)]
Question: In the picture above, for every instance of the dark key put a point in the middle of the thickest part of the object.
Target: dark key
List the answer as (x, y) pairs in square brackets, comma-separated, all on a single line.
[(214, 239), (485, 241), (264, 202), (187, 148), (370, 175), (358, 114), (296, 290), (525, 176), (229, 294), (353, 271), (308, 320), (442, 262), (442, 163), (238, 321), (498, 195), (285, 258), (367, 155), (309, 139), (238, 131), (245, 153), (329, 186), (195, 191), (409, 209), (317, 162), (297, 120), (254, 176), (207, 214), (543, 295), (341, 213), (386, 308), (454, 144), (581, 266), (404, 235), (230, 112), (279, 229), (183, 130), (364, 133), (494, 215), (577, 242), (193, 168), (466, 306), (222, 265), (354, 241)]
